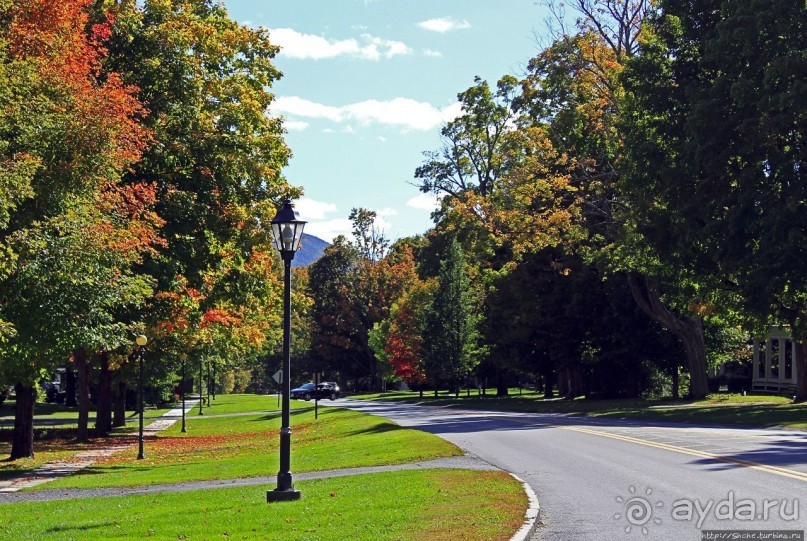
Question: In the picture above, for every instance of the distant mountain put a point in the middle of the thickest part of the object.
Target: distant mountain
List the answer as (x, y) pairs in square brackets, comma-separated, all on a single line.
[(311, 249)]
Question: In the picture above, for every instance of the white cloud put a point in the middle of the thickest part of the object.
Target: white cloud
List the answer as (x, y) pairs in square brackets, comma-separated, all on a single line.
[(444, 24), (293, 105), (382, 225), (311, 209), (309, 46), (432, 53), (401, 112), (317, 213), (424, 201), (295, 125), (327, 230)]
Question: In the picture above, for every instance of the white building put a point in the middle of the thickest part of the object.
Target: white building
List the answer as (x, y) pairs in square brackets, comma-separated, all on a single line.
[(775, 361)]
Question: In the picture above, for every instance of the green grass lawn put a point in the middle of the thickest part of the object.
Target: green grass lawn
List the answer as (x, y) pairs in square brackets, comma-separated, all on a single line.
[(758, 410), (233, 445), (238, 437), (225, 404), (428, 505)]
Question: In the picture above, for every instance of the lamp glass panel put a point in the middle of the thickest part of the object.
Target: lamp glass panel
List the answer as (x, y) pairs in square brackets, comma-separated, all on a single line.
[(298, 235), (277, 235)]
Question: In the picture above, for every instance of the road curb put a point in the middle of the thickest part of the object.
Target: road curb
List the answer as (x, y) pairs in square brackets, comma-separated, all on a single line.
[(531, 516)]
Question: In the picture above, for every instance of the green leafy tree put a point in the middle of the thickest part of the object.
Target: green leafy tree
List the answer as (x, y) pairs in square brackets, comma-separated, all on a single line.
[(715, 131), (367, 237), (72, 129), (351, 295), (573, 92), (450, 337), (206, 80)]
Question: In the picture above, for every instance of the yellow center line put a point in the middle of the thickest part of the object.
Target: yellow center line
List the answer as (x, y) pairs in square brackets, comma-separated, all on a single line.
[(776, 470)]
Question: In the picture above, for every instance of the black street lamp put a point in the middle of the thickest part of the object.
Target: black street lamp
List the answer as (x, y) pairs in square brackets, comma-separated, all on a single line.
[(201, 394), (141, 341), (208, 383), (287, 231), (182, 390), (213, 382)]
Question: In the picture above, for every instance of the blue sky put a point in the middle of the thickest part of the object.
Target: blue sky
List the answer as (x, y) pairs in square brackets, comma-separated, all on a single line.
[(367, 85)]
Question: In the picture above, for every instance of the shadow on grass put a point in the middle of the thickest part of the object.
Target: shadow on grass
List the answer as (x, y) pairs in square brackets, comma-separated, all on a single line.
[(754, 415), (293, 412), (63, 528), (378, 429), (64, 439), (129, 467), (52, 440)]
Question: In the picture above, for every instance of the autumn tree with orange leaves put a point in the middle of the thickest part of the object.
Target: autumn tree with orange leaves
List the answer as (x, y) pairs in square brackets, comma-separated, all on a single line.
[(206, 81), (74, 234), (404, 344)]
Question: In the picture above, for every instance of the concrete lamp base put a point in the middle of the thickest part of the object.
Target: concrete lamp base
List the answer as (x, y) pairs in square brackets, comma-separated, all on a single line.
[(282, 495)]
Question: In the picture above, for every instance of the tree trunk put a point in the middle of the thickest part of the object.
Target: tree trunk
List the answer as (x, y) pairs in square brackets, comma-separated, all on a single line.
[(83, 380), (119, 405), (22, 443), (103, 417), (549, 384), (563, 382), (501, 384), (689, 330), (676, 384), (70, 386), (572, 378), (801, 371)]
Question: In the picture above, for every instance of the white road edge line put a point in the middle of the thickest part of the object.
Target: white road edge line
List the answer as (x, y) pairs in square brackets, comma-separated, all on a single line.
[(531, 516)]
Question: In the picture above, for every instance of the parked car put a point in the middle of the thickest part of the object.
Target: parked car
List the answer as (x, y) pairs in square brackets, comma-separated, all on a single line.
[(329, 389), (307, 391)]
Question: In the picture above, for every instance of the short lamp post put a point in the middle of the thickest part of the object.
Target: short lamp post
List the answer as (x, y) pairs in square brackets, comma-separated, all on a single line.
[(141, 341), (201, 390), (287, 231), (182, 390)]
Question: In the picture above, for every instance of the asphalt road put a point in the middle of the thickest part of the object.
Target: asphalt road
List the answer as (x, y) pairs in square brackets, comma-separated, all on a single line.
[(615, 480)]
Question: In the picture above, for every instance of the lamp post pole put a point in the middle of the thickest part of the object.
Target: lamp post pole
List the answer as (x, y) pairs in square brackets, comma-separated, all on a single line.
[(201, 395), (141, 341), (287, 230), (208, 383), (182, 390)]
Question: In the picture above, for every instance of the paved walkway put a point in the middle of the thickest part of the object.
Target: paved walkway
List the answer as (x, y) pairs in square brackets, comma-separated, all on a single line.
[(62, 468)]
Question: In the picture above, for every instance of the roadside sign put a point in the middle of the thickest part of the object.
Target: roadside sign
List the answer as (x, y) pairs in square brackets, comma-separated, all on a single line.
[(278, 376)]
